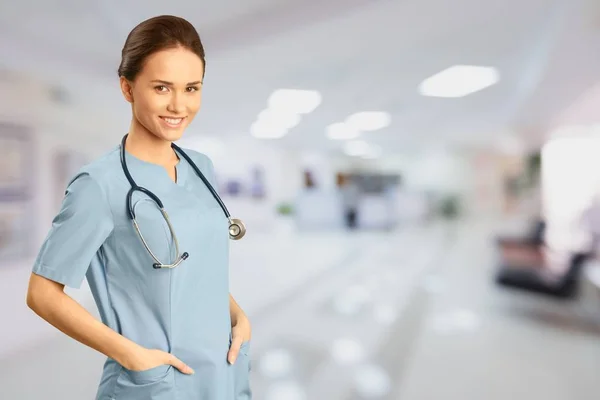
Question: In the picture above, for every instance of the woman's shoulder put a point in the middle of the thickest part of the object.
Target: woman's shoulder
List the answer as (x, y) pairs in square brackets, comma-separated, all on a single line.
[(202, 160), (101, 169)]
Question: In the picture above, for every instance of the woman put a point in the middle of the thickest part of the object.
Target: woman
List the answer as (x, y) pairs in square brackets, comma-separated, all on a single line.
[(169, 332)]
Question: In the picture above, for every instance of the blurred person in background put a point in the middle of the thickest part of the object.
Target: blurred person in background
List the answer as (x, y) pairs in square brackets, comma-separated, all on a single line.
[(309, 181), (172, 331), (350, 193)]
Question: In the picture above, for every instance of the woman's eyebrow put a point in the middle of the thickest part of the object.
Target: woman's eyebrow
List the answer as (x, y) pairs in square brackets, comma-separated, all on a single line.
[(171, 83)]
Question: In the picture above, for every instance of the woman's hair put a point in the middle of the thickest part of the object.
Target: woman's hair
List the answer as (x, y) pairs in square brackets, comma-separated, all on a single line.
[(156, 34)]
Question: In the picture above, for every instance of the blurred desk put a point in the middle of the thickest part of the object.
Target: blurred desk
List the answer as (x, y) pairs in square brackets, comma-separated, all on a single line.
[(318, 209), (376, 212)]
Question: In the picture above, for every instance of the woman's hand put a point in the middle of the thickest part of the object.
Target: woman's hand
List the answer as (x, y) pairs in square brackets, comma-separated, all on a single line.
[(143, 359), (240, 332)]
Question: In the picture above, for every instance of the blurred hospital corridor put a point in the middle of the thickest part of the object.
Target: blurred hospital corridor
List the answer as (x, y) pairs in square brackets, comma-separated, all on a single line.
[(419, 180)]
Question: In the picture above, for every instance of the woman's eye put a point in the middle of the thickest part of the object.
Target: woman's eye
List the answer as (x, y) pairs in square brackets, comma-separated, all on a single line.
[(161, 88), (192, 89)]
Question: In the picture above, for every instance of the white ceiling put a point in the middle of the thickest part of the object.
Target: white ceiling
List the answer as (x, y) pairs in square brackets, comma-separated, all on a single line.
[(360, 54)]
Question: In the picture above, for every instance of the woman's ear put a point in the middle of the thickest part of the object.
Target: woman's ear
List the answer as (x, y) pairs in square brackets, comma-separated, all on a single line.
[(126, 89)]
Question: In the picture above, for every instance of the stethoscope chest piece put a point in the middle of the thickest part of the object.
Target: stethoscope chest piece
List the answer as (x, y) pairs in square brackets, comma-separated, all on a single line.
[(237, 229)]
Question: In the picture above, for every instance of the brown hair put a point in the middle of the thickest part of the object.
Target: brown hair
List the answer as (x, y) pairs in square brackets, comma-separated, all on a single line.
[(156, 34)]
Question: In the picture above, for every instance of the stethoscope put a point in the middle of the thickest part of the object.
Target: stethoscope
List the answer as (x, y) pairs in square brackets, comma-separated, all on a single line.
[(237, 230)]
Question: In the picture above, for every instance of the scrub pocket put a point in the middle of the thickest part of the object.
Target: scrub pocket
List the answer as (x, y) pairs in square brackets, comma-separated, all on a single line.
[(240, 373), (151, 384)]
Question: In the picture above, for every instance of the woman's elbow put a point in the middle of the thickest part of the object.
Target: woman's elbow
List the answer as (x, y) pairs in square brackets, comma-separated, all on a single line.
[(39, 289)]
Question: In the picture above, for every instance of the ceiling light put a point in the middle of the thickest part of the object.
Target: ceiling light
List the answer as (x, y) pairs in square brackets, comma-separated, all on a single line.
[(275, 119), (369, 120), (267, 132), (459, 81), (356, 148), (372, 152), (294, 101), (341, 131)]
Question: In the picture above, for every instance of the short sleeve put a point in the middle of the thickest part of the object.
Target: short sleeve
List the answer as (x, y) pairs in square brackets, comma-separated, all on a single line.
[(78, 231)]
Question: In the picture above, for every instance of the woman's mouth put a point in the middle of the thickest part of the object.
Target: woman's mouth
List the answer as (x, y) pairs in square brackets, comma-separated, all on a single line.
[(173, 122)]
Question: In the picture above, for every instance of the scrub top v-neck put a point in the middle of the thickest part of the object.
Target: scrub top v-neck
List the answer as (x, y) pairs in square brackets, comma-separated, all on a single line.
[(183, 310)]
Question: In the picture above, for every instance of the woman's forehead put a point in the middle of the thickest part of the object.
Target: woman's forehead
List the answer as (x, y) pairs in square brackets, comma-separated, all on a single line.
[(174, 65)]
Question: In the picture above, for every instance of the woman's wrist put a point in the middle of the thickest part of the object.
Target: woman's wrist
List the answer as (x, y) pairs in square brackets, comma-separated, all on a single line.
[(127, 352)]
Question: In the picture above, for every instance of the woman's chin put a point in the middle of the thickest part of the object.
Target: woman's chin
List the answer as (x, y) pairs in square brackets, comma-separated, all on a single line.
[(170, 134)]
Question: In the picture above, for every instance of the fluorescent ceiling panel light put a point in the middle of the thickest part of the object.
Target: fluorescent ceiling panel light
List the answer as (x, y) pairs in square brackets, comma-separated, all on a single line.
[(369, 120), (356, 148), (276, 120), (459, 81), (341, 131), (267, 132), (294, 101), (372, 153)]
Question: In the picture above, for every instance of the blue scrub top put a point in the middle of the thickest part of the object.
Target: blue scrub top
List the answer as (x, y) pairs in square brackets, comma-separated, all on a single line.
[(182, 310)]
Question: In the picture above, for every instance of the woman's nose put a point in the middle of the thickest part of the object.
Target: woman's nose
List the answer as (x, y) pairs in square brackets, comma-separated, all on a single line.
[(176, 104)]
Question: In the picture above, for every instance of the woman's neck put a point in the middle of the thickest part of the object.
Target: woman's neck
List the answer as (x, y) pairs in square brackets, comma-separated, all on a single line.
[(148, 147)]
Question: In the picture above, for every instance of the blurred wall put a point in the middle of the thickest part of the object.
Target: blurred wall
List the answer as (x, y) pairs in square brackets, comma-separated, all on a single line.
[(571, 171)]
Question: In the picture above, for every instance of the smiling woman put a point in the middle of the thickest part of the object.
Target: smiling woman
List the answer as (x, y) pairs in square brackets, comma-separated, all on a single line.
[(162, 68), (165, 315)]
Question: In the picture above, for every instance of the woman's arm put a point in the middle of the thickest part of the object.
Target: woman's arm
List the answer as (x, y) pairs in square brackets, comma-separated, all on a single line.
[(237, 314), (240, 329), (48, 300)]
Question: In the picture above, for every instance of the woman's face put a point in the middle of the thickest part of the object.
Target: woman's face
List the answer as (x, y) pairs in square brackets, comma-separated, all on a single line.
[(167, 93)]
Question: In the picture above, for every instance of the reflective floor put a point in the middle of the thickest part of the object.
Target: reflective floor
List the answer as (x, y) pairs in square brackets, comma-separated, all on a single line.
[(410, 314)]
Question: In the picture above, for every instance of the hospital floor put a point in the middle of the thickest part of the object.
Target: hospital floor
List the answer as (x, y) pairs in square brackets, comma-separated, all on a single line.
[(410, 314)]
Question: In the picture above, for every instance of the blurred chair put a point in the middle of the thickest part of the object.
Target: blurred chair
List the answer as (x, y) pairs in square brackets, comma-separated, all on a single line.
[(590, 291), (535, 237), (535, 276)]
